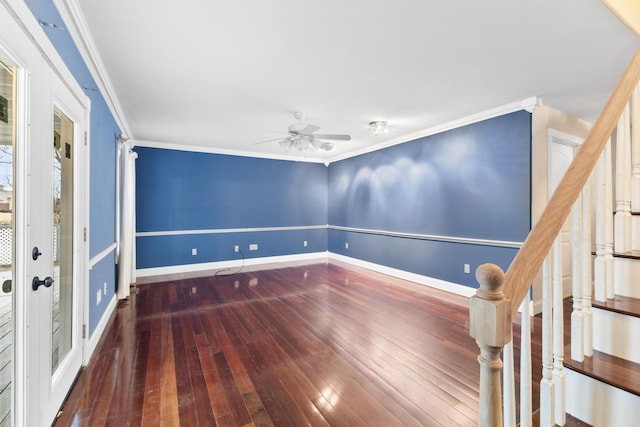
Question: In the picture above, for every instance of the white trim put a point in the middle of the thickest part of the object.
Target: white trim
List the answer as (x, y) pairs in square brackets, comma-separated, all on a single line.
[(563, 138), (536, 307), (228, 230), (432, 282), (219, 265), (96, 259), (227, 152), (76, 25), (465, 240), (94, 339), (527, 104), (451, 239), (443, 285), (23, 16)]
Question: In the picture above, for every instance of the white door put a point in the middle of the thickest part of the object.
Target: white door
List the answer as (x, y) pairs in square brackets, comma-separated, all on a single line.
[(41, 171), (562, 149)]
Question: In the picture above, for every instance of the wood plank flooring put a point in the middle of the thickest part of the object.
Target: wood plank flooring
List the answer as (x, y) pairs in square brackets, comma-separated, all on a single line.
[(317, 345)]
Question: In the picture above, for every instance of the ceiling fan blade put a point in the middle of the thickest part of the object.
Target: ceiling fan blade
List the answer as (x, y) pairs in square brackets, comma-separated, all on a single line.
[(268, 140), (309, 129), (336, 137)]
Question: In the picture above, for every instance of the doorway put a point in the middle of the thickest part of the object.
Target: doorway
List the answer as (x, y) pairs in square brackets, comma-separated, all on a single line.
[(43, 255), (562, 148)]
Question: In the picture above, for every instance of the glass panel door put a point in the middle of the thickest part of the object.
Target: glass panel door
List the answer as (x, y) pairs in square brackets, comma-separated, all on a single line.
[(43, 212), (56, 227), (7, 249)]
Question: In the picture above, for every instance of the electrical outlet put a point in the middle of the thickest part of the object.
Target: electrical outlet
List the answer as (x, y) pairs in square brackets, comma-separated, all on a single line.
[(98, 297), (105, 288), (305, 244), (253, 247), (346, 245), (236, 248), (194, 251), (467, 268)]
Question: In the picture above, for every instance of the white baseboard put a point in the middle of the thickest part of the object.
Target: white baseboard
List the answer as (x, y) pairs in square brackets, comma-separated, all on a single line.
[(220, 265), (536, 307), (93, 340), (454, 288), (443, 285)]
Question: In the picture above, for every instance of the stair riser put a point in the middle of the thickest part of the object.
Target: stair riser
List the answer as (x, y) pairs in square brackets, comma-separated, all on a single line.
[(616, 334), (600, 404), (626, 274), (635, 235)]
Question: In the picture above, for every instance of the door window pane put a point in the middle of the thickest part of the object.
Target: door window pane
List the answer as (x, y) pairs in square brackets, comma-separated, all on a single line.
[(63, 133), (7, 249)]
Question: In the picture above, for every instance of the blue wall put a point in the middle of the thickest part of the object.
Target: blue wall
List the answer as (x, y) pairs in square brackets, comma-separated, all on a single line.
[(180, 191), (102, 160), (470, 182)]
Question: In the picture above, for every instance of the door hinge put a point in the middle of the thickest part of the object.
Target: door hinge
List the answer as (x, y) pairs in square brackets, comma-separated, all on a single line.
[(85, 234), (84, 330), (85, 138)]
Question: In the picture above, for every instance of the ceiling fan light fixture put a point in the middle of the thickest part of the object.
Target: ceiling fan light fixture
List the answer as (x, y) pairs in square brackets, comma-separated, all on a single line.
[(378, 127), (326, 146)]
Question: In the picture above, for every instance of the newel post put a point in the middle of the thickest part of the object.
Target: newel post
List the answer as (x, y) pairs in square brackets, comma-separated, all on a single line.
[(490, 325)]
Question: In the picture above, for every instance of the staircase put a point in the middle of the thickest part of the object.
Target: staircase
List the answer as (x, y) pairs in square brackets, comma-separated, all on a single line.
[(590, 367), (604, 390)]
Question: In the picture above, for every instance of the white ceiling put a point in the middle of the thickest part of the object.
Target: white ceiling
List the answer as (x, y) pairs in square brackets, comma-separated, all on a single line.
[(222, 75)]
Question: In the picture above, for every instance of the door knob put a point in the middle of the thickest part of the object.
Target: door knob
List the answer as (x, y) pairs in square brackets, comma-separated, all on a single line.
[(46, 282)]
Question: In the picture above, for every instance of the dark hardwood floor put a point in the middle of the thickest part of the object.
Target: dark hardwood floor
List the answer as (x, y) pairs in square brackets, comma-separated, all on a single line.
[(318, 344)]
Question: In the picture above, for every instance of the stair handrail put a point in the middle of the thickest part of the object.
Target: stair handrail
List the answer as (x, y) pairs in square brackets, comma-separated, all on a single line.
[(497, 300), (531, 255)]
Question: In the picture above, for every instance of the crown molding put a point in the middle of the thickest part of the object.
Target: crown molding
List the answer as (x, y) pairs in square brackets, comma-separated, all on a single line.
[(30, 25), (213, 150), (76, 25), (528, 104)]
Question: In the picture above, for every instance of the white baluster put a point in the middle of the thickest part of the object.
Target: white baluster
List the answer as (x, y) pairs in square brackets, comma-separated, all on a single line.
[(525, 365), (558, 335), (608, 245), (622, 232), (599, 265), (635, 163), (508, 386), (547, 389), (577, 327), (587, 283)]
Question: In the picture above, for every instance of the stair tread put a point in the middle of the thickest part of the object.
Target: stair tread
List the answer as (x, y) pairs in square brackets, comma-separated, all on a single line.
[(624, 305), (633, 254), (575, 422), (611, 370), (571, 420)]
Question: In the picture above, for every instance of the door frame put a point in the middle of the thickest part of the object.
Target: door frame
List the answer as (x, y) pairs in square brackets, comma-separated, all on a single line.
[(30, 75), (60, 99), (575, 142)]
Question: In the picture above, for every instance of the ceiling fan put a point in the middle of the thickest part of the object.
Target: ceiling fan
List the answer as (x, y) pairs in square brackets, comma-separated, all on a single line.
[(302, 137)]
